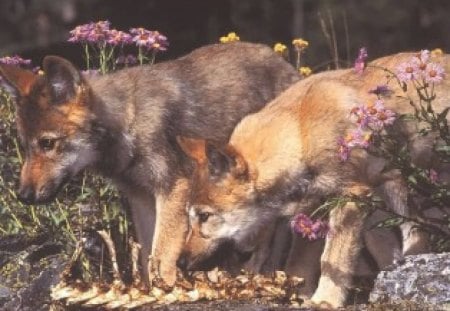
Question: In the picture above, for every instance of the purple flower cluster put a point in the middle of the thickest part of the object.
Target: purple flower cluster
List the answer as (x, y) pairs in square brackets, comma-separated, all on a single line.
[(420, 68), (374, 116), (308, 228), (355, 138), (360, 62), (91, 33), (151, 40), (369, 119), (15, 61), (117, 37), (100, 33)]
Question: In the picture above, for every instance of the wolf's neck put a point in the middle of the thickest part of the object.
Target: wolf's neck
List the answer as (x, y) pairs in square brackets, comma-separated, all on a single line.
[(114, 116)]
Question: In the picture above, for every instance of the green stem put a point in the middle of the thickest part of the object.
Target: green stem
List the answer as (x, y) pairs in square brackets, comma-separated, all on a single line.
[(86, 54), (34, 216), (103, 60), (153, 57), (12, 214), (141, 56), (68, 226), (16, 146), (298, 59)]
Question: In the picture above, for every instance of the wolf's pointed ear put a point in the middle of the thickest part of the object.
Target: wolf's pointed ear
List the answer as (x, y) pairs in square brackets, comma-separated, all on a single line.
[(220, 161), (225, 160), (63, 79), (193, 148), (16, 81)]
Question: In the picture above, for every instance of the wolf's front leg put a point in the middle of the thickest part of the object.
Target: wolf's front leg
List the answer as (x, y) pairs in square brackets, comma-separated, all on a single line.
[(304, 261), (395, 194), (339, 257), (170, 231), (143, 213)]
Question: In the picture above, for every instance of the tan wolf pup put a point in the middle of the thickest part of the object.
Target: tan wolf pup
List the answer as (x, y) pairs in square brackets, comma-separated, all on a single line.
[(123, 125), (287, 153)]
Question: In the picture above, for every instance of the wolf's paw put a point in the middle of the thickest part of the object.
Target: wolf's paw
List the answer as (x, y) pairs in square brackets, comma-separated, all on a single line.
[(168, 274), (329, 295), (161, 273), (415, 241)]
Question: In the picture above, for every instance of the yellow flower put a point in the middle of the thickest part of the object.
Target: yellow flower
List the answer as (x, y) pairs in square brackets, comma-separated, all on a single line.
[(437, 52), (232, 36), (279, 48), (305, 71), (300, 44)]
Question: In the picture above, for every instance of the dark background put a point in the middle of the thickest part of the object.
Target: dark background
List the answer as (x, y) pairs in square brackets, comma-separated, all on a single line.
[(34, 28)]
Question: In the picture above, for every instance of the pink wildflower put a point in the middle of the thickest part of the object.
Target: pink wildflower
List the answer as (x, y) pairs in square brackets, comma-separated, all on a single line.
[(358, 138), (161, 42), (91, 33), (313, 230), (142, 37), (343, 149), (408, 71), (374, 116), (381, 116), (362, 115), (419, 67), (117, 37), (354, 138), (151, 40), (433, 175), (360, 62), (369, 119), (434, 73), (15, 61)]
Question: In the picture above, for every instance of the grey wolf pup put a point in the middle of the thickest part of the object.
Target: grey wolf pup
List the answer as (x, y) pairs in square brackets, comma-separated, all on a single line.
[(123, 125)]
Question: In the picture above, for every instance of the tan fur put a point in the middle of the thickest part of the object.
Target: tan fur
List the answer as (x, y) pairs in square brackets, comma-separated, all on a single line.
[(293, 143), (168, 229)]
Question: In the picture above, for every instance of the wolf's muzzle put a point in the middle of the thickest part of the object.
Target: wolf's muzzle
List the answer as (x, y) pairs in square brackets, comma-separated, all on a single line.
[(26, 195)]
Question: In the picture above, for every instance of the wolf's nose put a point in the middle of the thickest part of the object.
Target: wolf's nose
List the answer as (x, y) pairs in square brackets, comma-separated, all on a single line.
[(182, 262), (26, 195)]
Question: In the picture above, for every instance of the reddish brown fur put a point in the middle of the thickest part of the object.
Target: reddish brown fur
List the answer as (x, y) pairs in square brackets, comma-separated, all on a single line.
[(291, 146)]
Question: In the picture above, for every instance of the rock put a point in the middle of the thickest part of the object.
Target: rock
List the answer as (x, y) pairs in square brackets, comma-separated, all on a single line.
[(27, 272), (421, 279), (5, 294)]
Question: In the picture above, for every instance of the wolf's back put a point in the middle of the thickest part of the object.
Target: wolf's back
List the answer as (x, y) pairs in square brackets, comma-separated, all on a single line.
[(205, 93)]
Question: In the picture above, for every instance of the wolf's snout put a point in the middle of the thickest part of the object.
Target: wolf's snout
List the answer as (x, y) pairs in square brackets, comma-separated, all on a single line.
[(26, 195)]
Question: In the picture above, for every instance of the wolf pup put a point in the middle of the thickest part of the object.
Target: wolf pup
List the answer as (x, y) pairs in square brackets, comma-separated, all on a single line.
[(123, 125), (285, 154)]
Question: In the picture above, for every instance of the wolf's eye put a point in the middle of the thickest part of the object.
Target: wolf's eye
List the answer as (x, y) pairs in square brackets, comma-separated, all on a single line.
[(47, 144), (203, 216)]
